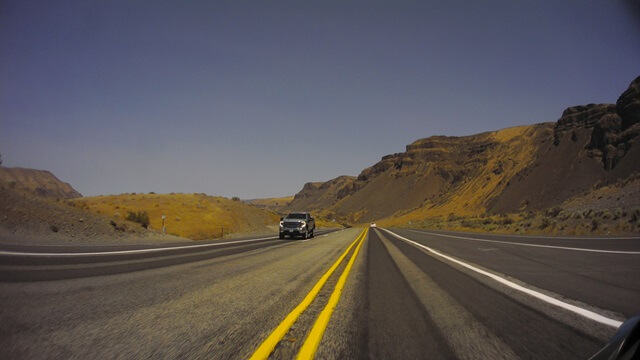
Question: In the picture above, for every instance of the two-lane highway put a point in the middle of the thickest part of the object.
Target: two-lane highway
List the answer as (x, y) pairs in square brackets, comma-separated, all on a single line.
[(394, 293)]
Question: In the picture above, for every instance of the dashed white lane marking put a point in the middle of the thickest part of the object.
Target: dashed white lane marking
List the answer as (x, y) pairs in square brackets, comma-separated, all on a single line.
[(546, 298), (137, 251), (532, 245)]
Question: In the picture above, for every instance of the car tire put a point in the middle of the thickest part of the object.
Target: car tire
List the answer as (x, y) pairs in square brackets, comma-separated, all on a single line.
[(281, 236), (312, 233)]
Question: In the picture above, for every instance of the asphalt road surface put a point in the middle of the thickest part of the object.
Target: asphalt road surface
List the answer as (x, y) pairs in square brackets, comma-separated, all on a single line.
[(379, 294)]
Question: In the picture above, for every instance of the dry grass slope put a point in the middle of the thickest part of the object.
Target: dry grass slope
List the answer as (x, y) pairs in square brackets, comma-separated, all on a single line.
[(194, 216)]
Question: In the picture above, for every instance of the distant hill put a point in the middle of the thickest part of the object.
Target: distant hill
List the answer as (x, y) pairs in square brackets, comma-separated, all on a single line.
[(273, 204), (525, 168), (193, 216), (39, 182)]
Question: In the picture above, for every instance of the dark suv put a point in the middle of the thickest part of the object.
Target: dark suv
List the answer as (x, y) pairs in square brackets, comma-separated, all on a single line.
[(297, 224)]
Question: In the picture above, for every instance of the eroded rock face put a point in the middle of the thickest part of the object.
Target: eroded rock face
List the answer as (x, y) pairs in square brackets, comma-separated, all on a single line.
[(628, 105), (614, 127), (583, 115)]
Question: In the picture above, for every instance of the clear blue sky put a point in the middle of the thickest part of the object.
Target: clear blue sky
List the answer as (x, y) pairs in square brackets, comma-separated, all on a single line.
[(255, 98)]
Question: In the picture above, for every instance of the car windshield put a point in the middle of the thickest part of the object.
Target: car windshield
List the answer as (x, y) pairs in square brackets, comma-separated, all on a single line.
[(296, 216)]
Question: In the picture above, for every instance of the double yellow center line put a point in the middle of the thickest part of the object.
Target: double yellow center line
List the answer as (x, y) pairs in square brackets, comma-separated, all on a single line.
[(315, 335)]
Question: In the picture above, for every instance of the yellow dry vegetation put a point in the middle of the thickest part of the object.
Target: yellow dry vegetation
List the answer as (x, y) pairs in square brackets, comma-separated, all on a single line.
[(194, 216), (513, 152)]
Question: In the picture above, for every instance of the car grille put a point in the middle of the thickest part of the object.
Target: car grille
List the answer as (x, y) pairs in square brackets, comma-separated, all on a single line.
[(292, 225)]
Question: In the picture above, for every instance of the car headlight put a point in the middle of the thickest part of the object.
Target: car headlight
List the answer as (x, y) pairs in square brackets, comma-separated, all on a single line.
[(303, 224), (281, 224)]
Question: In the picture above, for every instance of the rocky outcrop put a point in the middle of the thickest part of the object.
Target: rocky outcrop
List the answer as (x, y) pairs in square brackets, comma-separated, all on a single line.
[(614, 127), (628, 105)]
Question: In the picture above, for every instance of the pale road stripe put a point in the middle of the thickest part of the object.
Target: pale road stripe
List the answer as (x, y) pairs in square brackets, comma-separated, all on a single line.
[(546, 298), (137, 251), (563, 237), (532, 245)]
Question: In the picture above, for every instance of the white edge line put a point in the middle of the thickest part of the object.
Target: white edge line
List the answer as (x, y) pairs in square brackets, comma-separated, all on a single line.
[(533, 236), (121, 252), (532, 245), (546, 298)]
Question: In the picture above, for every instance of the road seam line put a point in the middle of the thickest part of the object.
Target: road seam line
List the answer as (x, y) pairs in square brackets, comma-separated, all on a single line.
[(454, 321), (266, 348), (310, 345), (532, 245), (546, 298)]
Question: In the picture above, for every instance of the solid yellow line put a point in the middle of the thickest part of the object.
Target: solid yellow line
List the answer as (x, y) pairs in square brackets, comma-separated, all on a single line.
[(312, 342), (266, 348)]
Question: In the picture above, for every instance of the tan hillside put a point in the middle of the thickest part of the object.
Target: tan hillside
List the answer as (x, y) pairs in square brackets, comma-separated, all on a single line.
[(519, 169), (29, 219), (38, 182), (194, 216), (316, 196), (273, 204)]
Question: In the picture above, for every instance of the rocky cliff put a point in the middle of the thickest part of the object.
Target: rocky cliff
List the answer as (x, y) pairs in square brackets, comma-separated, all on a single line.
[(523, 168)]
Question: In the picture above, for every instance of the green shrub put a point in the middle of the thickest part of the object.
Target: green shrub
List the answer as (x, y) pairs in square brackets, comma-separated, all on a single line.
[(141, 217), (594, 224), (635, 215)]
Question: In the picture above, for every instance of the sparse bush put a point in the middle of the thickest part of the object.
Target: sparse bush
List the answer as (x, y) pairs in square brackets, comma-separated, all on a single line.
[(554, 211), (545, 222), (527, 214), (468, 223), (112, 223), (594, 224), (635, 215), (505, 221), (587, 213), (605, 214), (563, 215), (487, 221), (577, 215), (452, 217), (151, 193), (12, 184), (235, 198), (141, 217), (54, 228), (617, 214)]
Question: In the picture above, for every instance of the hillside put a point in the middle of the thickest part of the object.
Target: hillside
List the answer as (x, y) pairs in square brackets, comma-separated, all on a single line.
[(39, 182), (29, 219), (527, 168), (272, 204), (194, 216)]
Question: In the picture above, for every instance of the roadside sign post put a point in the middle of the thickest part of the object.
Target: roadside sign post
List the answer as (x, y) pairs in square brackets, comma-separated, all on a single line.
[(164, 229)]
